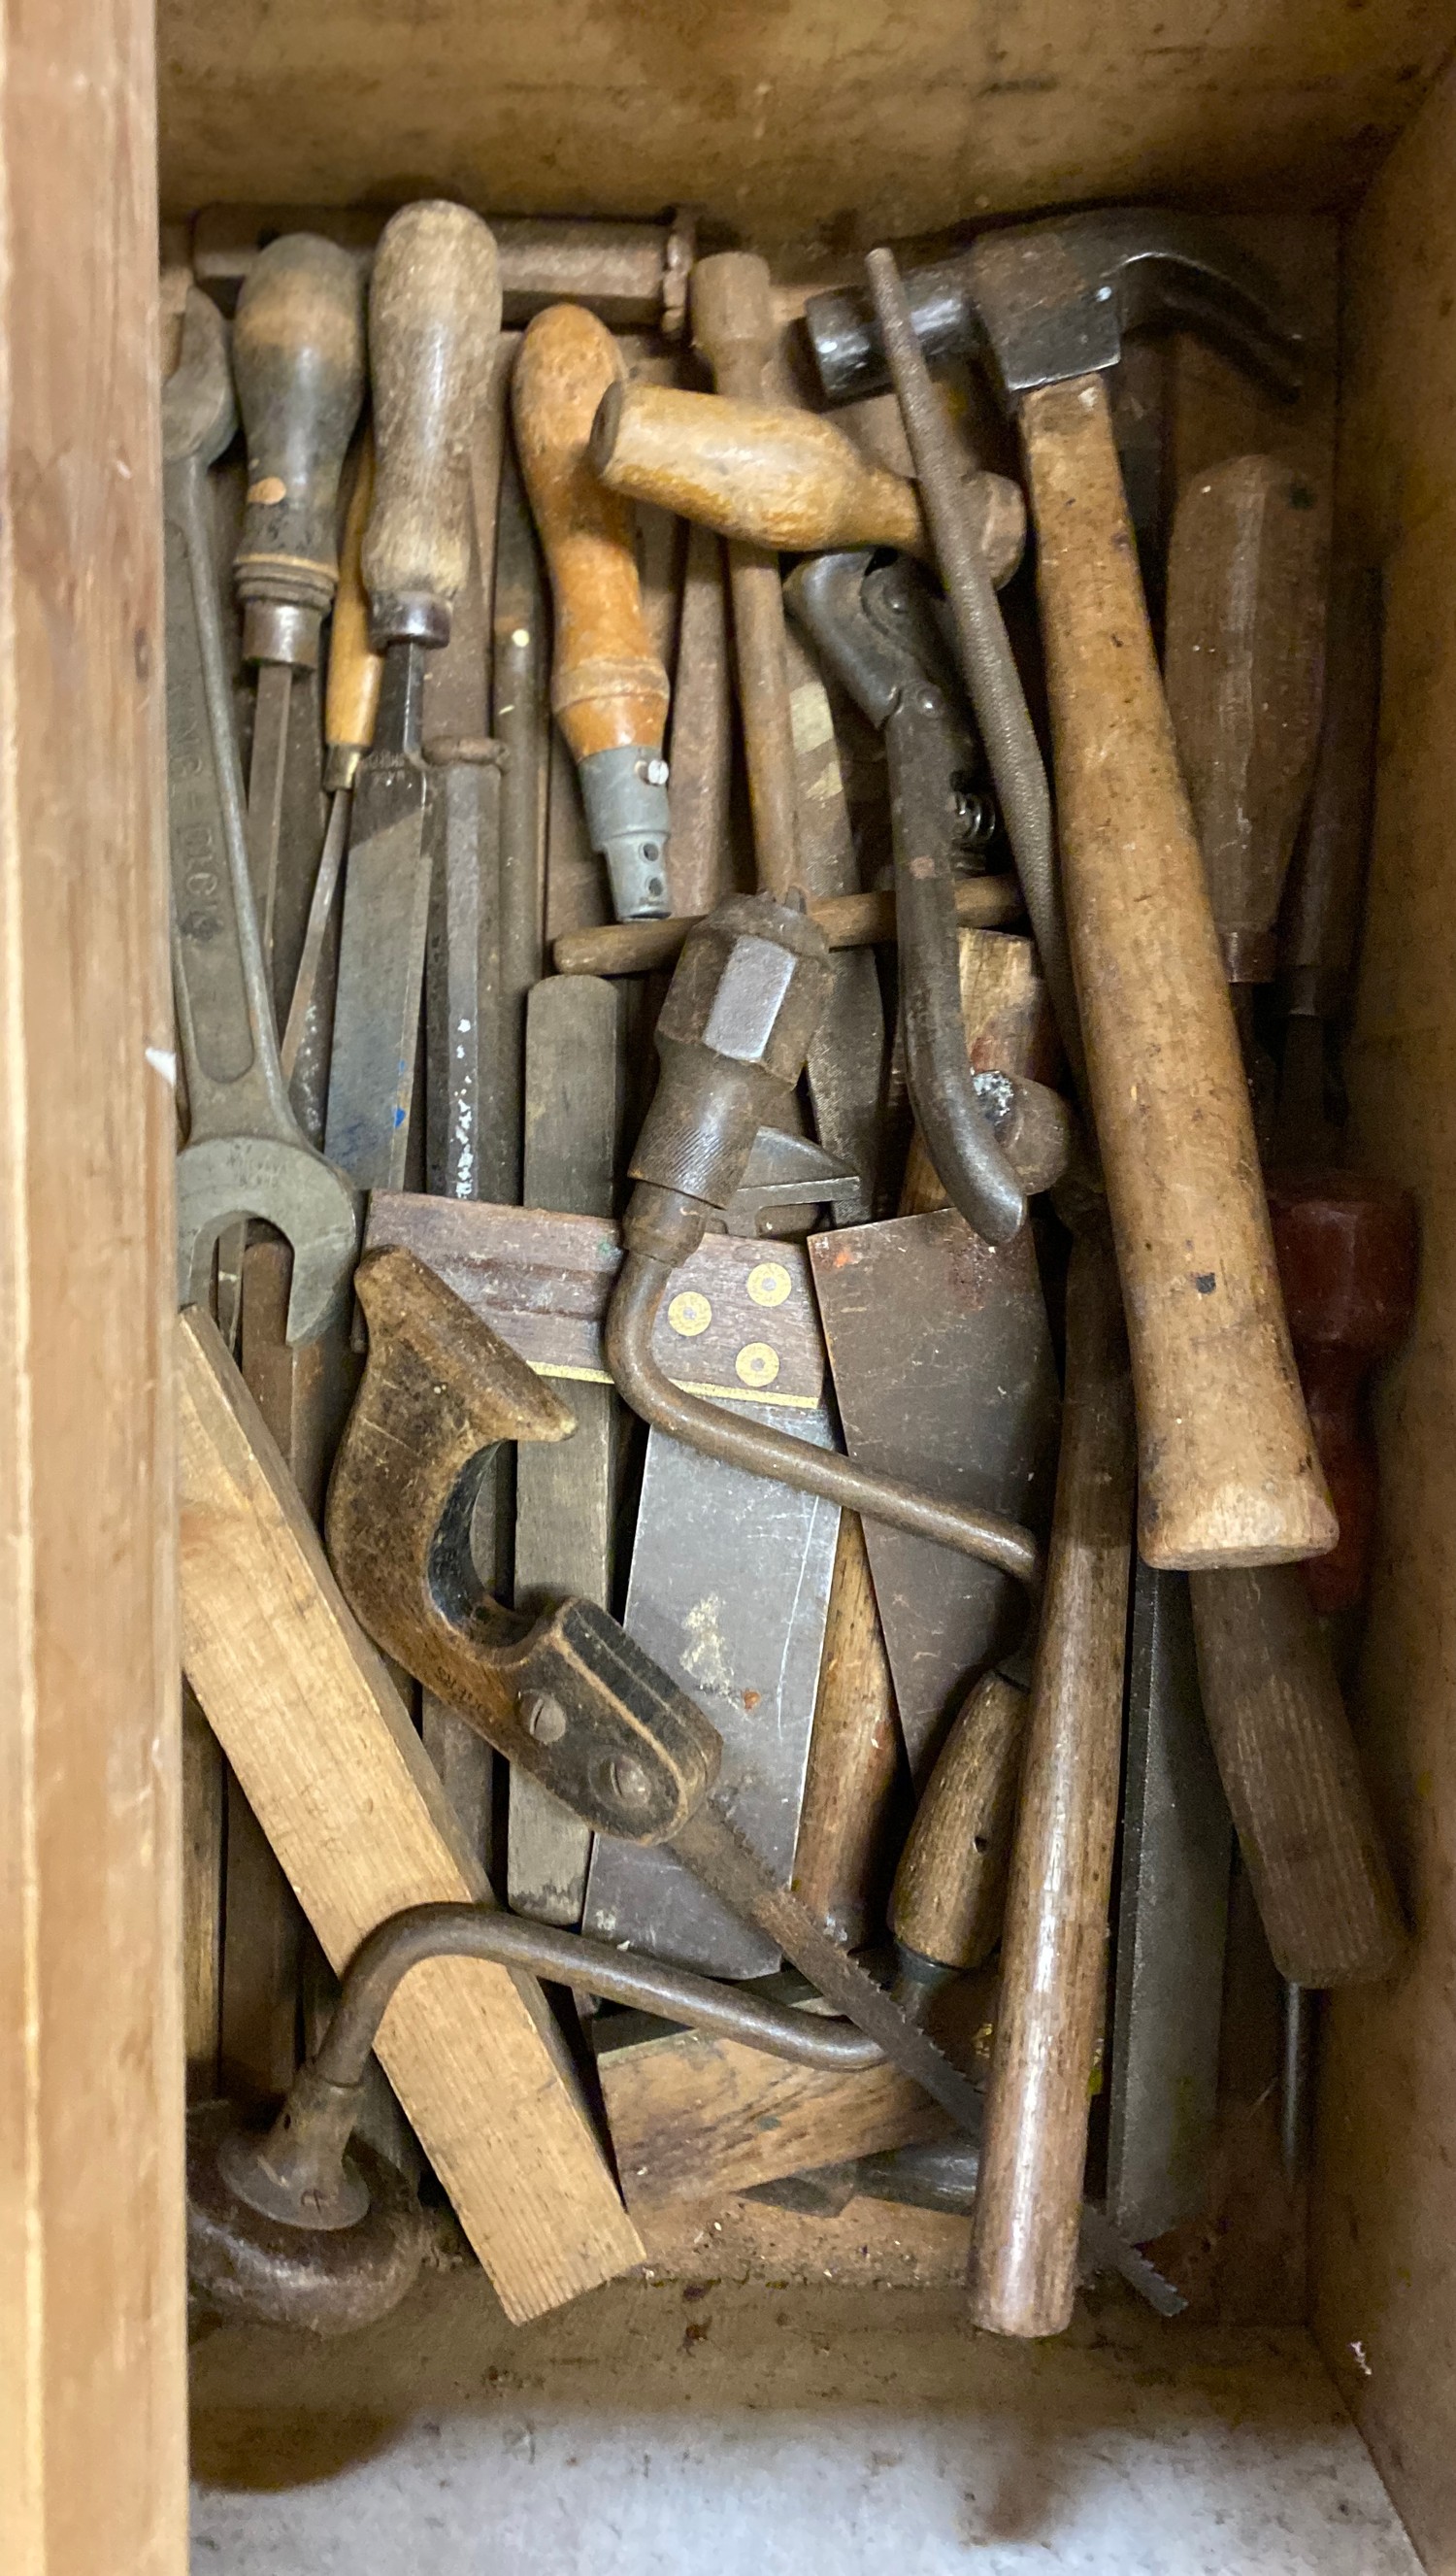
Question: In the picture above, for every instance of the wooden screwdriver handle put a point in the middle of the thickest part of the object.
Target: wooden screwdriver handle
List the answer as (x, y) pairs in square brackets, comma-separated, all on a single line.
[(1243, 659), (734, 329), (608, 688), (1023, 2270), (778, 478), (1228, 1471), (1290, 1772), (298, 361), (434, 320), (950, 1887), (351, 693)]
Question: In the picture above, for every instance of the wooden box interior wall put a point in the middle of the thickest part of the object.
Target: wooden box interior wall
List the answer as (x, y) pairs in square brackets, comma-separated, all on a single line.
[(844, 123)]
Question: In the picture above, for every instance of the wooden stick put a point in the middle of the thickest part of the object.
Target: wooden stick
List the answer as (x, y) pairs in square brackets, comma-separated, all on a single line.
[(950, 1886), (1229, 1474), (847, 921), (699, 852), (350, 1802), (854, 1754), (1023, 2273)]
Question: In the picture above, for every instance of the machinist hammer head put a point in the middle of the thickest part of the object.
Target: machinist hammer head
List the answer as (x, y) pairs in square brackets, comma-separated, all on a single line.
[(1042, 303)]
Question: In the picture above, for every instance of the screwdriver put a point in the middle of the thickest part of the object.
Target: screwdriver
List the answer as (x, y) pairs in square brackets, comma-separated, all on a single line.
[(351, 704), (434, 319), (298, 360)]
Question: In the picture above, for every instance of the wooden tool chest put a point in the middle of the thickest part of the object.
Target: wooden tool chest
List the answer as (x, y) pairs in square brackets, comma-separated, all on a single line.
[(778, 2385)]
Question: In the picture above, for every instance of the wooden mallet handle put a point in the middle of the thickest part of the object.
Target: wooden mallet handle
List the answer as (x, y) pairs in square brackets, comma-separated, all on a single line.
[(1228, 1473), (1023, 2271)]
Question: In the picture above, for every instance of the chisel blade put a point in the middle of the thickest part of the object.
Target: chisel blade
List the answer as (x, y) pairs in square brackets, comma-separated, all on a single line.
[(381, 974)]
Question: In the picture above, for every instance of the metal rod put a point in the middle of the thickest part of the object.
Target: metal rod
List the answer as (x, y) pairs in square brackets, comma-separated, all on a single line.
[(742, 1442), (422, 1932)]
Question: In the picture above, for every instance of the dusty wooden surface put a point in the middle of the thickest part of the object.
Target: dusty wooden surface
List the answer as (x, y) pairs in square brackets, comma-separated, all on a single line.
[(306, 1714), (92, 2429), (859, 121), (1384, 2240)]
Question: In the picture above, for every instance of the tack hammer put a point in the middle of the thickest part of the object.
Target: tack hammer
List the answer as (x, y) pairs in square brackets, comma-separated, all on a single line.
[(1228, 1471), (246, 1154)]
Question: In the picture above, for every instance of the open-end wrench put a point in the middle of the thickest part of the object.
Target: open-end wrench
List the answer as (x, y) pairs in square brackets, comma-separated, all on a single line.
[(246, 1154)]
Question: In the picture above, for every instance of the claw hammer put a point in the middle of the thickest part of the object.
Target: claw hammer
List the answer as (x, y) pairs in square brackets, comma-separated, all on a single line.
[(1228, 1473)]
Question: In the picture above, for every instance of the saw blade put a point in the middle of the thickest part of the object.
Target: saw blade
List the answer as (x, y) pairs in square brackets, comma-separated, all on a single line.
[(712, 1848)]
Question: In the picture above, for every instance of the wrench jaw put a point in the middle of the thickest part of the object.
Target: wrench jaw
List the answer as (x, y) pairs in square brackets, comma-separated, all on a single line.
[(287, 1186)]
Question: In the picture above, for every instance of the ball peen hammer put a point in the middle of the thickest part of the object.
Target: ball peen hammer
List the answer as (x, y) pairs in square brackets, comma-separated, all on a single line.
[(1228, 1473)]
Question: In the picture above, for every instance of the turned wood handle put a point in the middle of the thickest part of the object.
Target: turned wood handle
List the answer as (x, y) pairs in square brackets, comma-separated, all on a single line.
[(854, 1754), (608, 687), (1227, 1468), (434, 320), (1023, 2270), (847, 921), (951, 1883), (351, 694), (735, 330), (1290, 1772), (298, 361), (1243, 664)]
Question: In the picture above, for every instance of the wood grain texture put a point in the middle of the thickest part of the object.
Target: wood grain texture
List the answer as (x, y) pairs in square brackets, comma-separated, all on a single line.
[(1243, 662), (434, 319), (350, 1802), (695, 2118), (351, 689), (203, 1812), (700, 866), (1023, 2271), (1227, 1469), (1290, 1772), (950, 1886), (608, 687), (92, 2365), (847, 921), (840, 1859), (852, 126)]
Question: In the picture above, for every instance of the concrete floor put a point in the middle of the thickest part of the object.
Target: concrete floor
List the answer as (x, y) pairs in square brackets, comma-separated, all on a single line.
[(745, 2428)]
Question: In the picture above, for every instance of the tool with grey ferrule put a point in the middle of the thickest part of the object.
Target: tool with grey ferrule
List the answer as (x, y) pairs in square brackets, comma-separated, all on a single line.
[(567, 1696), (246, 1154), (434, 317)]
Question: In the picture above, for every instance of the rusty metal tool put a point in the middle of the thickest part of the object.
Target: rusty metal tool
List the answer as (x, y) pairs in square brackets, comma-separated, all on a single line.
[(732, 1037), (781, 479), (245, 1154), (1172, 1911), (1229, 1474), (434, 314), (298, 361), (877, 633), (847, 921), (608, 687), (1053, 1951), (302, 2224), (568, 1697)]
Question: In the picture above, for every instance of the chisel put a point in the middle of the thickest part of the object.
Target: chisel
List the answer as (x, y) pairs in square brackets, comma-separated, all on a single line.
[(608, 687), (434, 316)]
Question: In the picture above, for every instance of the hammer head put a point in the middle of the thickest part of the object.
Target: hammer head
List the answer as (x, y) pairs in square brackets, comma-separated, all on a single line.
[(1041, 303)]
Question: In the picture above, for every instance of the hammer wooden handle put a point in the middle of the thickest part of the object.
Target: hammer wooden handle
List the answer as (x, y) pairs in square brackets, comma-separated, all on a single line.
[(1228, 1471), (298, 361), (1242, 666), (434, 319), (1292, 1778), (608, 688), (778, 478), (734, 329), (351, 694), (950, 1885), (1023, 2271)]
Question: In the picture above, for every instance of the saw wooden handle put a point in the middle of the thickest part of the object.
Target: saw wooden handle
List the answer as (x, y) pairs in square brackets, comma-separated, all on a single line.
[(608, 688), (1023, 2271), (1243, 661), (434, 320), (351, 693), (1228, 1471), (950, 1887), (778, 478), (298, 361), (1290, 1772), (735, 330)]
